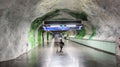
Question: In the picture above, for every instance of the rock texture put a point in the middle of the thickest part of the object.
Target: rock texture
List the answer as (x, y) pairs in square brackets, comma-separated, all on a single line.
[(15, 20), (104, 16), (16, 17)]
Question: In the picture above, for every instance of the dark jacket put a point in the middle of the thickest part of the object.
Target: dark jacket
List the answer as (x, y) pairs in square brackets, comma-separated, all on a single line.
[(61, 44)]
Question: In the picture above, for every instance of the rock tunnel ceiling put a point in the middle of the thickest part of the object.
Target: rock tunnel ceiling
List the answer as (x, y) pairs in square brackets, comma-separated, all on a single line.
[(16, 18), (37, 22)]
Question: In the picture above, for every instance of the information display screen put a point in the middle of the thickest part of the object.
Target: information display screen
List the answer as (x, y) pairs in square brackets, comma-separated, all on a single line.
[(55, 28), (61, 27)]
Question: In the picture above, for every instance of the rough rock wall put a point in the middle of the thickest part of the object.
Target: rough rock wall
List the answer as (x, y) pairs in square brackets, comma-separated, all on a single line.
[(16, 17), (104, 15)]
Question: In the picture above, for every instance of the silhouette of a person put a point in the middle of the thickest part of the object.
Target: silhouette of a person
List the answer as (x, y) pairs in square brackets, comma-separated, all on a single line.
[(61, 45)]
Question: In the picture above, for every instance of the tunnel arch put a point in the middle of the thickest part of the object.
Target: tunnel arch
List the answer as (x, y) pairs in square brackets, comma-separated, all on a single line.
[(38, 21), (17, 15)]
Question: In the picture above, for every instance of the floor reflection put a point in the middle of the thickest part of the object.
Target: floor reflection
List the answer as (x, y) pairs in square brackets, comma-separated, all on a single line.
[(73, 55)]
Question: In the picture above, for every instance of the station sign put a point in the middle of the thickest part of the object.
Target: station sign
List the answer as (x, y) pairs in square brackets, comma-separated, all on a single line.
[(62, 25)]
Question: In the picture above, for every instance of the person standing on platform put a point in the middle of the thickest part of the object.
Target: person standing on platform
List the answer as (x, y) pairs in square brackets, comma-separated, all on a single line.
[(61, 45)]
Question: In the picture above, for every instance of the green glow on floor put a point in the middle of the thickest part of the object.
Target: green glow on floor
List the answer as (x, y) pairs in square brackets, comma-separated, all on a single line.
[(33, 59)]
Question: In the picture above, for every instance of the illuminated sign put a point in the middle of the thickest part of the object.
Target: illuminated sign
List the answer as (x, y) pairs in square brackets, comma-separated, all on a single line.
[(70, 25), (52, 28), (55, 26), (62, 25)]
